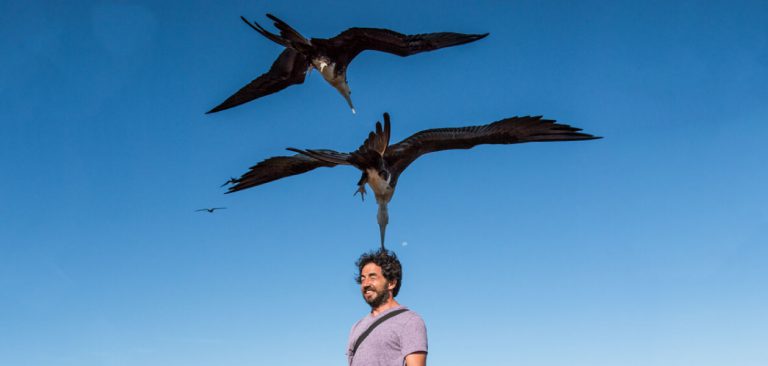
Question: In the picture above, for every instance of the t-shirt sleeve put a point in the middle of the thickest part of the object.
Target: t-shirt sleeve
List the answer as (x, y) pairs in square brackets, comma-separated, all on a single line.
[(414, 336)]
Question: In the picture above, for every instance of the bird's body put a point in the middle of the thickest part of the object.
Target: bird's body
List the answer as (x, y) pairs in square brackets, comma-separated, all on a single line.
[(332, 56), (382, 164), (380, 186)]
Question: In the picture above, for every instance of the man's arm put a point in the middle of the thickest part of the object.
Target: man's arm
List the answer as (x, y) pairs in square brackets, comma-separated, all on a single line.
[(416, 359)]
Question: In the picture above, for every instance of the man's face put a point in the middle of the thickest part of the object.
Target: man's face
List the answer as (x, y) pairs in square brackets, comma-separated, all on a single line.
[(375, 287)]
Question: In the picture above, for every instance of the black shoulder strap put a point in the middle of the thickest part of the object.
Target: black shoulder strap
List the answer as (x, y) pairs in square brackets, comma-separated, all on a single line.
[(374, 325)]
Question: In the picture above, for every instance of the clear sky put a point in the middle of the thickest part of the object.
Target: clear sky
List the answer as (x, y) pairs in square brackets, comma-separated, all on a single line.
[(643, 248)]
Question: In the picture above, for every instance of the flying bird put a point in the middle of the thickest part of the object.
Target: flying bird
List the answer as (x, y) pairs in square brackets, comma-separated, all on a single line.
[(332, 56), (381, 163), (210, 210)]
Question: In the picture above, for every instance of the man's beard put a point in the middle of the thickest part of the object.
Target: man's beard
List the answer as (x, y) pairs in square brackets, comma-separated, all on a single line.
[(379, 299)]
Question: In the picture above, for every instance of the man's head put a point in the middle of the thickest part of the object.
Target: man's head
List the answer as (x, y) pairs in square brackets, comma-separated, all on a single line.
[(379, 275)]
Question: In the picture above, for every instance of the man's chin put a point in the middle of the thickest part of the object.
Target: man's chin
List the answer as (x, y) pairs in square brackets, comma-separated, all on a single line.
[(375, 300), (370, 301)]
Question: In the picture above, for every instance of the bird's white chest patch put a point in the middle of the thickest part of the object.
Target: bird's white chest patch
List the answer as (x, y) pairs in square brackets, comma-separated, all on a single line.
[(378, 185), (327, 69)]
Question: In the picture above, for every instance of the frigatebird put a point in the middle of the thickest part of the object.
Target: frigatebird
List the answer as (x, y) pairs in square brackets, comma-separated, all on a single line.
[(332, 56), (210, 210), (381, 163)]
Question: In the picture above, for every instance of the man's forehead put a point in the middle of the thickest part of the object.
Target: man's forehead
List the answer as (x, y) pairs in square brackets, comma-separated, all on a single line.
[(371, 268)]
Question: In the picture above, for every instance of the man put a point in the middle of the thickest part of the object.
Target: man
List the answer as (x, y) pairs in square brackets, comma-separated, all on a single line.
[(398, 340)]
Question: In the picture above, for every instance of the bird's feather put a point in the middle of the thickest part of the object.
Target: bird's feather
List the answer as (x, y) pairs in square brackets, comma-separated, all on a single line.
[(330, 156), (351, 42), (276, 168), (506, 131), (269, 35), (377, 140), (290, 68), (288, 33)]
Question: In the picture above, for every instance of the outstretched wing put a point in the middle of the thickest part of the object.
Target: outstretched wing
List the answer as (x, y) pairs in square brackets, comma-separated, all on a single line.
[(290, 68), (278, 167), (351, 42), (329, 156), (512, 130)]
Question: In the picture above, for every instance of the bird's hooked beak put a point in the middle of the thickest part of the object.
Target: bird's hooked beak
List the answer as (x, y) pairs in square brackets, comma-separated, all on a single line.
[(349, 101), (346, 93), (383, 218)]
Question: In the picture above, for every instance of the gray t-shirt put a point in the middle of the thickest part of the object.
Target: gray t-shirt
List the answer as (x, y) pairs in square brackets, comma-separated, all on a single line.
[(390, 342)]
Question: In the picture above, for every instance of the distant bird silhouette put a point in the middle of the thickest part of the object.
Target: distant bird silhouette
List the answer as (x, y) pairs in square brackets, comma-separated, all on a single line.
[(210, 210), (382, 163), (332, 56)]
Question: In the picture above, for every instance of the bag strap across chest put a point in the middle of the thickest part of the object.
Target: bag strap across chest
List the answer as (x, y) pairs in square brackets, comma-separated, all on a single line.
[(375, 324)]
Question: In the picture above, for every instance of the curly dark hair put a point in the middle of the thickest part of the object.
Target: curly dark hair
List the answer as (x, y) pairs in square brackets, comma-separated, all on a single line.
[(390, 266)]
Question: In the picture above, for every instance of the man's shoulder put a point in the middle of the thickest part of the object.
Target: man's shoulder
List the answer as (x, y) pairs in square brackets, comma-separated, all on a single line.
[(409, 314), (410, 317), (412, 314)]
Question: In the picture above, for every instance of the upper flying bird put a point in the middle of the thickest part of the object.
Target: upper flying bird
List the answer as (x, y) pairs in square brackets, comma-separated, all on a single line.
[(332, 56), (382, 163), (210, 210)]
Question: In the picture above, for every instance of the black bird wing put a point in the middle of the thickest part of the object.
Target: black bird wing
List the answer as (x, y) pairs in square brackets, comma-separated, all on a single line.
[(512, 130), (351, 42), (279, 167), (328, 156), (290, 68)]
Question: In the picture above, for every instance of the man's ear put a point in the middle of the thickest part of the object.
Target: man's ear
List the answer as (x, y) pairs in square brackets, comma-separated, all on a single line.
[(392, 284)]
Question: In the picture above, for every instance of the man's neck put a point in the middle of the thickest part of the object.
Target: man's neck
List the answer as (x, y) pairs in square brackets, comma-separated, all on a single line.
[(391, 303)]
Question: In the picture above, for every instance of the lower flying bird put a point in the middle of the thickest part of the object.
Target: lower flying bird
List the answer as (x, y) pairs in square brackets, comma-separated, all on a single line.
[(382, 163), (210, 210), (332, 56)]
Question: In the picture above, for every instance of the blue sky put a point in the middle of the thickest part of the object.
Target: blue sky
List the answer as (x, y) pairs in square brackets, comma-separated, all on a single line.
[(642, 248)]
